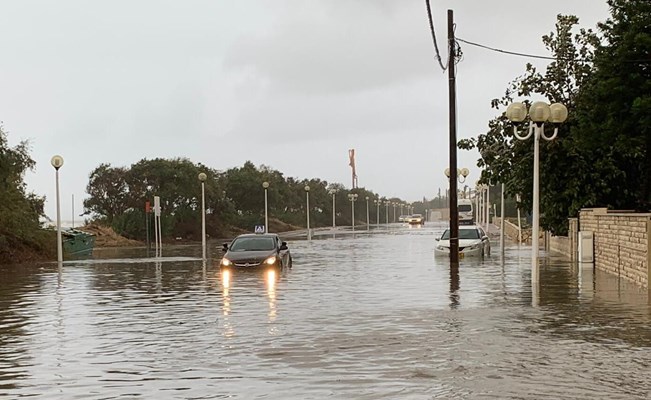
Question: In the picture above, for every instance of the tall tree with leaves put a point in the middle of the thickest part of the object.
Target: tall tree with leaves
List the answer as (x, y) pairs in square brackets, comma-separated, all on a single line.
[(20, 229), (614, 110), (563, 168)]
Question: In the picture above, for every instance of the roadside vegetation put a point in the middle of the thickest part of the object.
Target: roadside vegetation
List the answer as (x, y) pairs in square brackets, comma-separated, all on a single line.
[(234, 199), (21, 236), (601, 157)]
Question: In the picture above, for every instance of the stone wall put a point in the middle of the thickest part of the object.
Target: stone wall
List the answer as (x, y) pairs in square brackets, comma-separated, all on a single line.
[(621, 242), (511, 230), (559, 244), (566, 245)]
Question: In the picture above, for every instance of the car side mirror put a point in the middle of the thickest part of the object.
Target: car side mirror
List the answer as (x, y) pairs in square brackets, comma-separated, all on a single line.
[(225, 247), (437, 238)]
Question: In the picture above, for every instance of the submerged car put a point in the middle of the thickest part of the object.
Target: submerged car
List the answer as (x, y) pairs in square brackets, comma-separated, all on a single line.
[(256, 250), (473, 241)]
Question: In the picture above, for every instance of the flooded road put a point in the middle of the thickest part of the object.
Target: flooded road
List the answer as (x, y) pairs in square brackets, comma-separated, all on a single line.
[(372, 317)]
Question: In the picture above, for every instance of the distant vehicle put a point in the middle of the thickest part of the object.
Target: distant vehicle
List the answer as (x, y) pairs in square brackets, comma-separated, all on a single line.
[(415, 219), (403, 218), (473, 241), (253, 250), (464, 207)]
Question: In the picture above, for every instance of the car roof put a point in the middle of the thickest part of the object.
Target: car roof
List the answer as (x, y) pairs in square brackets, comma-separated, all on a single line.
[(467, 227)]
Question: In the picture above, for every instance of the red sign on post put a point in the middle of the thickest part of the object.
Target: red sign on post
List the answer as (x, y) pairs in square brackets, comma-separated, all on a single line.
[(147, 207)]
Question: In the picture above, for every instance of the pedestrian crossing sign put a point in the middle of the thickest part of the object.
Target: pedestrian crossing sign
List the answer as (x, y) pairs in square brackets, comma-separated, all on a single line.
[(259, 229)]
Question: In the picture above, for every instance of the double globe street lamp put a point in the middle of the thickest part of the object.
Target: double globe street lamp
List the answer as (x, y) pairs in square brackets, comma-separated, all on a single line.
[(539, 113)]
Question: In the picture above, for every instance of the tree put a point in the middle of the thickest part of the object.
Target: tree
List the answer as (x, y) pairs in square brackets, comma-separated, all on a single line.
[(20, 229), (108, 190), (614, 112), (563, 165)]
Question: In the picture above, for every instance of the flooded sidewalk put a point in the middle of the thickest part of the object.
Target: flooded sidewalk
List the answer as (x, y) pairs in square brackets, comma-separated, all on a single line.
[(364, 316)]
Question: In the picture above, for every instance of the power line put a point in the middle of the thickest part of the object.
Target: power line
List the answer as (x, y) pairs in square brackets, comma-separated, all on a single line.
[(431, 28), (513, 53)]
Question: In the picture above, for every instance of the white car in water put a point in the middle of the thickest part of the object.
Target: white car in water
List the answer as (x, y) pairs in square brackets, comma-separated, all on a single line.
[(473, 242)]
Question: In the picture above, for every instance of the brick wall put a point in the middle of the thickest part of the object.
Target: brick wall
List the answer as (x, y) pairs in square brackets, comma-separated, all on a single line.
[(621, 242)]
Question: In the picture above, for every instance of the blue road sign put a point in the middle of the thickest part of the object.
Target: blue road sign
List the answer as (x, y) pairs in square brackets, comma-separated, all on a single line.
[(259, 229)]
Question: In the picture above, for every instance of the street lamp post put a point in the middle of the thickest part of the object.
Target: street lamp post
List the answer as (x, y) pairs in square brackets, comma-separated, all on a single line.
[(488, 207), (539, 113), (377, 210), (368, 220), (386, 213), (352, 197), (265, 185), (202, 179), (57, 162), (333, 192), (394, 211), (517, 200), (307, 211)]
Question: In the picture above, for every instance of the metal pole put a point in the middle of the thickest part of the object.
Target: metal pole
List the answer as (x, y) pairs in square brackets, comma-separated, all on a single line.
[(147, 234), (160, 238), (203, 220), (368, 220), (333, 210), (536, 201), (307, 196), (502, 221), (386, 214), (73, 211), (452, 102), (59, 242), (519, 226), (377, 209), (477, 196), (352, 208), (155, 235), (266, 212), (488, 208)]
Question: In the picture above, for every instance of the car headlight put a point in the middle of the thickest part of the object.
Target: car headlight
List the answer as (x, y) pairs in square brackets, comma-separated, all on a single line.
[(226, 262), (270, 260), (474, 246)]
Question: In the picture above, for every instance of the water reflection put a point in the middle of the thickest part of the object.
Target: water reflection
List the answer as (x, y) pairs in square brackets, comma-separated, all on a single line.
[(271, 293), (454, 285)]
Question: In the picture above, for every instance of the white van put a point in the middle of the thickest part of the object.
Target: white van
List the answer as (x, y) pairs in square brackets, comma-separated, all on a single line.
[(465, 212)]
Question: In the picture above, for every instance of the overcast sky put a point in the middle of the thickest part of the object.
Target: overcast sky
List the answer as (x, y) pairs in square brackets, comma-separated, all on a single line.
[(292, 84)]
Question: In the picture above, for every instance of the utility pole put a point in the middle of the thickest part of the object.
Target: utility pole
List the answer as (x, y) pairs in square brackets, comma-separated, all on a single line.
[(454, 211)]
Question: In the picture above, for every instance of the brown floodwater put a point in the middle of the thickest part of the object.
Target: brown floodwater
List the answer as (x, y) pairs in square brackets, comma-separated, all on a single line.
[(371, 317)]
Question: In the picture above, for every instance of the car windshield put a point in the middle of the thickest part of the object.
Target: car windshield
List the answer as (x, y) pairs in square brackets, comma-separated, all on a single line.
[(463, 234), (465, 207), (253, 244)]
